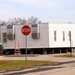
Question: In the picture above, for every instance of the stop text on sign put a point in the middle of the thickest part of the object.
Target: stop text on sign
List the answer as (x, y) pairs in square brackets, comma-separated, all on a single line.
[(25, 30)]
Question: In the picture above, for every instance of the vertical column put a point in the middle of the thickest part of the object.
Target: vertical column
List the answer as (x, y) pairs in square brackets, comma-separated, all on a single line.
[(52, 51), (31, 51), (44, 51), (60, 50), (74, 52)]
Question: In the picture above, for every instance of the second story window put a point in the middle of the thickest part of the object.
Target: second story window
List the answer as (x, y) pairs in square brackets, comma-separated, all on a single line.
[(4, 37)]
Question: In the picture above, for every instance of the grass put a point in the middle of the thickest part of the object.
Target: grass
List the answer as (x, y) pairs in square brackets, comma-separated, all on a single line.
[(13, 64)]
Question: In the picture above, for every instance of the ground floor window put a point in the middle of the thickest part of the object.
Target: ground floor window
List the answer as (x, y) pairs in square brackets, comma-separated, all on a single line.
[(4, 37)]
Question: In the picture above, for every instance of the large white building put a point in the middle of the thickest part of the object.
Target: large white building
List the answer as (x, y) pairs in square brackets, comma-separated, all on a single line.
[(44, 38)]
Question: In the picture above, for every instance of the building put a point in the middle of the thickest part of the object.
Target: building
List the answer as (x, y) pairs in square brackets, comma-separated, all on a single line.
[(45, 38)]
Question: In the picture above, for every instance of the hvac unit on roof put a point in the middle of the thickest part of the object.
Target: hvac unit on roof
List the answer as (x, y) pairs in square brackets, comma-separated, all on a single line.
[(10, 32), (35, 31)]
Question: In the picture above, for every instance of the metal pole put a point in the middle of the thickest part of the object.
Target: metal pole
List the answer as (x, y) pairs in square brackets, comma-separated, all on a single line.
[(26, 49)]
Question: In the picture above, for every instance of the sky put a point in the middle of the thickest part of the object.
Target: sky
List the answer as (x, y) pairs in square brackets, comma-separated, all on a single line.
[(44, 10)]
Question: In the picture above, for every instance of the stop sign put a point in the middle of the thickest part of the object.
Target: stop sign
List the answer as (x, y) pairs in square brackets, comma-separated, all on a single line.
[(25, 30)]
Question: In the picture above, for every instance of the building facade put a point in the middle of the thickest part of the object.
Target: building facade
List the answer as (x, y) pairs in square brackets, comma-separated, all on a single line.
[(44, 38)]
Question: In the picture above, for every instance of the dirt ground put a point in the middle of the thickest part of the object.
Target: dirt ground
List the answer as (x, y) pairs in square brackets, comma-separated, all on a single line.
[(50, 57)]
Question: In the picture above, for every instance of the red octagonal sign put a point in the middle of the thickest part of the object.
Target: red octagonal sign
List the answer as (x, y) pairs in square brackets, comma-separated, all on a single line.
[(25, 30)]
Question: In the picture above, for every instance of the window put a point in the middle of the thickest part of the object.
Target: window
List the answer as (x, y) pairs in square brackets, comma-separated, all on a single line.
[(70, 35), (4, 37), (54, 35), (63, 36)]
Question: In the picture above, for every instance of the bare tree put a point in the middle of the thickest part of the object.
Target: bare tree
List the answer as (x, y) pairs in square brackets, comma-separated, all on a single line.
[(16, 21), (2, 23), (24, 21), (33, 20)]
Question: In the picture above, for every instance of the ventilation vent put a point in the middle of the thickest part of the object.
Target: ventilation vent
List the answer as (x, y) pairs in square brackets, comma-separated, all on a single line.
[(35, 35), (11, 36), (35, 31), (10, 32)]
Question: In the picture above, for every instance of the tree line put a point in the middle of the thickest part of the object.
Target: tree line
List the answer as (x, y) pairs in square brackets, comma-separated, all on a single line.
[(16, 21)]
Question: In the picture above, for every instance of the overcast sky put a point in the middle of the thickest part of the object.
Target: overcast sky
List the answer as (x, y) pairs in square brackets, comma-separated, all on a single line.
[(45, 10)]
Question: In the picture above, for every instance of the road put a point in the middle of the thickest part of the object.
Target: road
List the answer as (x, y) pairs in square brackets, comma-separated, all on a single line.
[(65, 67)]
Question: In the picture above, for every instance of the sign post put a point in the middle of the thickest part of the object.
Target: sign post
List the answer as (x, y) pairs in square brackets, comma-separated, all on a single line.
[(26, 31)]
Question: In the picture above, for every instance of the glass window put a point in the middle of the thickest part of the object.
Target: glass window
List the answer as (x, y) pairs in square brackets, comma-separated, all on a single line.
[(70, 35), (63, 36), (54, 35), (4, 37), (4, 34)]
